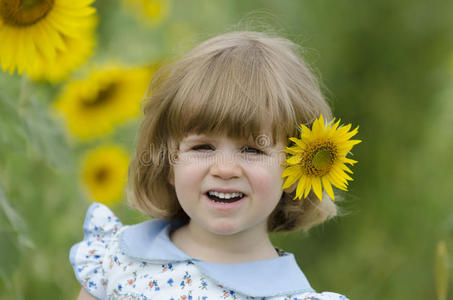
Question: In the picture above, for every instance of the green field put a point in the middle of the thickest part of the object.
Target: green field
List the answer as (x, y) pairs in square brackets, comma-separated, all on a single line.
[(384, 65)]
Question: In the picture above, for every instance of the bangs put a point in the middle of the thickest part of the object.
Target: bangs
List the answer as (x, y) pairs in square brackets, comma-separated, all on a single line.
[(231, 93)]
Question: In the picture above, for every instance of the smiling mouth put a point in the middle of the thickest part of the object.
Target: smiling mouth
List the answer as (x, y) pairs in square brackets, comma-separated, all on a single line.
[(224, 198)]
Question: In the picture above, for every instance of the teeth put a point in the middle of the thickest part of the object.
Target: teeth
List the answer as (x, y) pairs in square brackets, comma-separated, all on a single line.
[(225, 195)]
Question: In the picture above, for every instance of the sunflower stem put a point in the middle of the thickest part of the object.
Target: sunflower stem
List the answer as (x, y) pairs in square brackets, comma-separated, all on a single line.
[(24, 95)]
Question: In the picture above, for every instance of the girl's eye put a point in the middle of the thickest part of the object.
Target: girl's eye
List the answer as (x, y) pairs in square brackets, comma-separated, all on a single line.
[(252, 150), (203, 147)]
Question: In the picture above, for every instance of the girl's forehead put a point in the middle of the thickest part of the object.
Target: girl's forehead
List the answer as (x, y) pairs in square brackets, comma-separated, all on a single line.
[(264, 139), (213, 136)]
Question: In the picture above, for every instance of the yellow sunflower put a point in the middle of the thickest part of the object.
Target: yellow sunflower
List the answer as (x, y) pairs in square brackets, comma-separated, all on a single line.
[(104, 174), (92, 107), (35, 33), (153, 11), (318, 158)]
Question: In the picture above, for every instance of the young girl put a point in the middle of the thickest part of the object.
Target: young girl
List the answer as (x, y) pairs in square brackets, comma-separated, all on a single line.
[(207, 169)]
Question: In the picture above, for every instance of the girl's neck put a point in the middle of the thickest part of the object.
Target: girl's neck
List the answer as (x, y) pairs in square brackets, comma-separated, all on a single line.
[(241, 247)]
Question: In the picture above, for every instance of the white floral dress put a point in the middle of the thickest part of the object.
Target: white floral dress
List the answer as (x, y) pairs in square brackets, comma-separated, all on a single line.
[(140, 262)]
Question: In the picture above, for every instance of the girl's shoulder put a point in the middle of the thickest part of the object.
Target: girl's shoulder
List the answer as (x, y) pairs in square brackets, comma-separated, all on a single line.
[(104, 261), (101, 229)]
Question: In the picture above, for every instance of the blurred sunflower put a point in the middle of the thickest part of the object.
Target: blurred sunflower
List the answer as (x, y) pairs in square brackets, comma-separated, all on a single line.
[(65, 61), (104, 174), (92, 107), (318, 158), (153, 11), (35, 33)]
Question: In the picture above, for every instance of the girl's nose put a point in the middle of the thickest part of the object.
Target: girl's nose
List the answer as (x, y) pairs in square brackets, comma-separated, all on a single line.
[(226, 169)]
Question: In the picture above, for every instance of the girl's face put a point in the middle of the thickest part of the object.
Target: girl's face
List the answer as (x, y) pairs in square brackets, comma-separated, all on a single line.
[(227, 186)]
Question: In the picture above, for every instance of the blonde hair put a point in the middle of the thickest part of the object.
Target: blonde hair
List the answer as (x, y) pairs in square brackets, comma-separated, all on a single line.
[(233, 83)]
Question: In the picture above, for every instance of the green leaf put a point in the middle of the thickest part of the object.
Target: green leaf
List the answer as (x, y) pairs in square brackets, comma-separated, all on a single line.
[(13, 238), (23, 128), (46, 136), (13, 136), (15, 221), (10, 255)]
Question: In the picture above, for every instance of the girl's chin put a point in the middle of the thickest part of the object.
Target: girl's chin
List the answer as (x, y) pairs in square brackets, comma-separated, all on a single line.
[(219, 227)]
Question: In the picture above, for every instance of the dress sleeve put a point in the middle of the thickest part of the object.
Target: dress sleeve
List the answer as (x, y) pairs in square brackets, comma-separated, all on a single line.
[(86, 257)]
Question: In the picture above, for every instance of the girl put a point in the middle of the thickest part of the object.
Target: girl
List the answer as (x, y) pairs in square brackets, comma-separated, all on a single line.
[(207, 169)]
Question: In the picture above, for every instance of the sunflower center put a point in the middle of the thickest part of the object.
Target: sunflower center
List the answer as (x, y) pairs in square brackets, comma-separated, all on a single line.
[(101, 175), (104, 95), (24, 12), (320, 158)]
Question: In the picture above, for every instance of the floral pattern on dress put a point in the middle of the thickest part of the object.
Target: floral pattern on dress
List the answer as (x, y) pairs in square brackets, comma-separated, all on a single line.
[(108, 273)]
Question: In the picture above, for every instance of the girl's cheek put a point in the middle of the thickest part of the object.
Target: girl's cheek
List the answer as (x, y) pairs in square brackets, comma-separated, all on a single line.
[(263, 176)]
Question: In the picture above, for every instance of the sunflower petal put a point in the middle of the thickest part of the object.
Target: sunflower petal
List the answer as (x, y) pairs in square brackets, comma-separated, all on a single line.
[(317, 188), (298, 142), (292, 178), (290, 171), (308, 185), (327, 187), (335, 126), (336, 182), (349, 161), (318, 125), (341, 173), (292, 150), (304, 128), (294, 160), (301, 187), (345, 168)]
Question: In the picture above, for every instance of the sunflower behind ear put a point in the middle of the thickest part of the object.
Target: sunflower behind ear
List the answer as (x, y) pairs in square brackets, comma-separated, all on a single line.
[(318, 159)]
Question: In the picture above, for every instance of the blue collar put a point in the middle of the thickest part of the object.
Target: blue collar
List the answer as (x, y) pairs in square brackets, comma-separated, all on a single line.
[(265, 278)]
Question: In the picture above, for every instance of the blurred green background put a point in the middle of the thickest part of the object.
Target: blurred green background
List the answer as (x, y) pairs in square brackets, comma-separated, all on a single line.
[(384, 65)]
